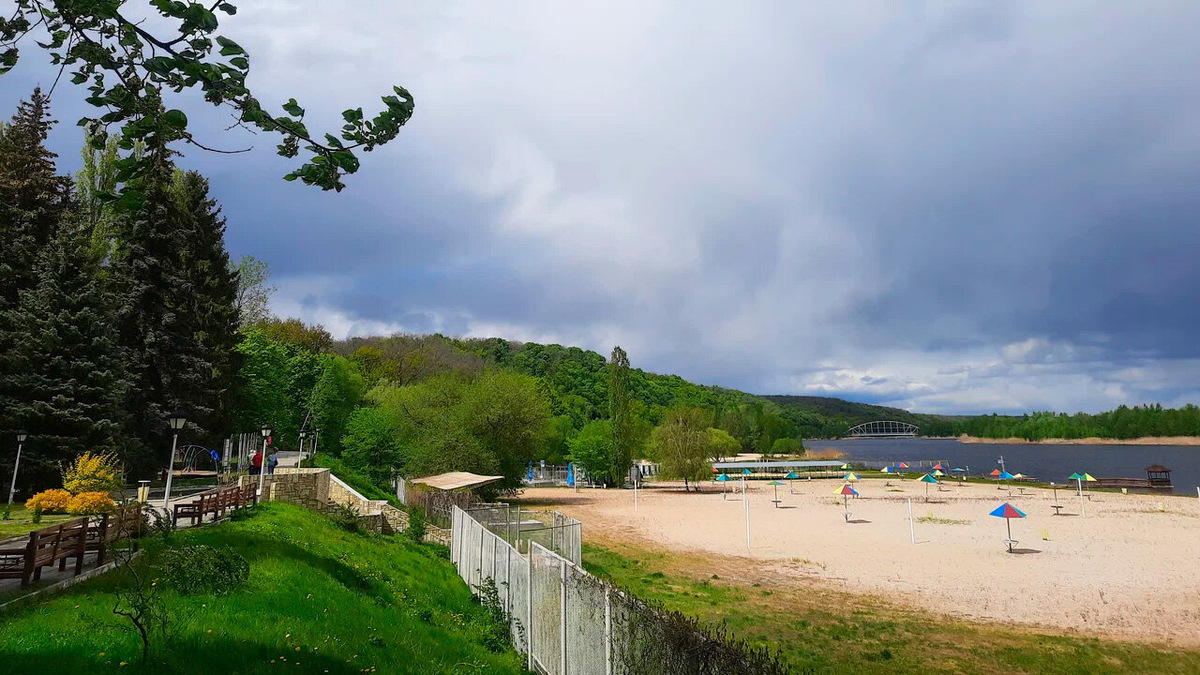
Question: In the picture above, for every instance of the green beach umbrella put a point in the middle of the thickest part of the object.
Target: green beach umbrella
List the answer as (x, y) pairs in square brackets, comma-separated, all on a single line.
[(845, 467), (776, 484), (1078, 483)]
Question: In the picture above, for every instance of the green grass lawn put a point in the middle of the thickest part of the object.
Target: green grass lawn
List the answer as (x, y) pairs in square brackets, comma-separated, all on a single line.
[(20, 522), (319, 599), (831, 632)]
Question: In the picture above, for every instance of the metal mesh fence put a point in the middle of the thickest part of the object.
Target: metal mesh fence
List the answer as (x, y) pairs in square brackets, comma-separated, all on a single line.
[(569, 622)]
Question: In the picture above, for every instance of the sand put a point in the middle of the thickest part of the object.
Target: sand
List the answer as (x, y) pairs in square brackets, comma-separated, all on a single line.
[(1124, 568)]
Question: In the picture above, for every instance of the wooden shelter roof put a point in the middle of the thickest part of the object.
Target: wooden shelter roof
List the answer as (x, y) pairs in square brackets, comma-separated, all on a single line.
[(457, 480)]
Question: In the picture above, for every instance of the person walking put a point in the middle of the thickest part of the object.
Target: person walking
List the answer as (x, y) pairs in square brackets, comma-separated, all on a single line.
[(272, 461), (256, 463)]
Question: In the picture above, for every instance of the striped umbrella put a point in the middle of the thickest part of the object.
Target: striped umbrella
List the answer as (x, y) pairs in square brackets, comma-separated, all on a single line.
[(1008, 512), (846, 492)]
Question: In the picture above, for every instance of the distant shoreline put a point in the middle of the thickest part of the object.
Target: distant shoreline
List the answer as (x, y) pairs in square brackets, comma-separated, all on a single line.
[(1145, 440)]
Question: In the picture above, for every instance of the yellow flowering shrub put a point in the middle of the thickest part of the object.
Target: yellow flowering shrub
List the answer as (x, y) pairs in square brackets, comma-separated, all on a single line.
[(49, 501), (93, 472), (90, 504)]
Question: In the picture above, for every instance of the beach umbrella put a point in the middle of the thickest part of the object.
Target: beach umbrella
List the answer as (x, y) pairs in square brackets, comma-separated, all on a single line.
[(996, 474), (850, 477), (903, 465), (776, 484), (938, 473), (845, 467), (928, 480), (1005, 476), (1008, 512), (1018, 475), (1089, 477), (846, 492), (791, 477), (1078, 483), (722, 479), (938, 466), (888, 469), (746, 472)]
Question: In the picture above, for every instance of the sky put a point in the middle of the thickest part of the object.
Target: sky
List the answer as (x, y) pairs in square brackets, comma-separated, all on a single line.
[(950, 207)]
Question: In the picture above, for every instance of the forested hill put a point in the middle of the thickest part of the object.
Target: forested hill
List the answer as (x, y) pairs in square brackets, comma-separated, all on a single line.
[(824, 417)]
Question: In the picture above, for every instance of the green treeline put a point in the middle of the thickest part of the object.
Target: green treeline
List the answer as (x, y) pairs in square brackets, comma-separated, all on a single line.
[(1123, 423)]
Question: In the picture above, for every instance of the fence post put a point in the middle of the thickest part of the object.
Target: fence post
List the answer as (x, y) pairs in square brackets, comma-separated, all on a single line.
[(508, 582), (518, 539), (529, 607), (479, 582), (562, 603), (607, 630)]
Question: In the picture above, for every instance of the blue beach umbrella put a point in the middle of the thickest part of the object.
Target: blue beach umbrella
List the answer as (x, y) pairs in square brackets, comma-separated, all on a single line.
[(790, 478)]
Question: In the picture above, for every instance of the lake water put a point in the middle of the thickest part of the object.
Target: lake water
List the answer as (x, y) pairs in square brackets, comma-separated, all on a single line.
[(1044, 462)]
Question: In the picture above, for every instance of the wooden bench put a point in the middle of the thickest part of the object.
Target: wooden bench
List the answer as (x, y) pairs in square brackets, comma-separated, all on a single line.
[(54, 544), (217, 503)]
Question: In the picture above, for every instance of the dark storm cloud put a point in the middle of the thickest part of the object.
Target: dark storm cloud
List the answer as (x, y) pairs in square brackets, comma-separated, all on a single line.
[(948, 206)]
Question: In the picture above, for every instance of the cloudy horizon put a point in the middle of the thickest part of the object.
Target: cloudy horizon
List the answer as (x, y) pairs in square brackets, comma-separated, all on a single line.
[(946, 207)]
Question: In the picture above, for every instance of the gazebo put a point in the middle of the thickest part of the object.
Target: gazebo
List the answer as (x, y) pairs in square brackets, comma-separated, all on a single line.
[(1158, 475)]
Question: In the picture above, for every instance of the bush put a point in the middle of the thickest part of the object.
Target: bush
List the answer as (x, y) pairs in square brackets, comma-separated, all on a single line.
[(49, 501), (346, 517), (93, 472), (416, 525), (90, 504), (195, 569)]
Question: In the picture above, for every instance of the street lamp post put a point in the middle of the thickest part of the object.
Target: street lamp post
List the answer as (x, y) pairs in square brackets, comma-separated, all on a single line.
[(176, 420), (316, 438), (262, 470), (12, 488), (300, 455)]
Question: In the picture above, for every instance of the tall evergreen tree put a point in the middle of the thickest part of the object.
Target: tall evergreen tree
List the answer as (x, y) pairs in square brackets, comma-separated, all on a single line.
[(148, 285), (32, 200), (208, 309), (69, 381), (32, 195)]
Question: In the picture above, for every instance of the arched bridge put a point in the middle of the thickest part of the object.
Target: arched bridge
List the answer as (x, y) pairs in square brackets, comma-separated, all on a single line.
[(883, 429)]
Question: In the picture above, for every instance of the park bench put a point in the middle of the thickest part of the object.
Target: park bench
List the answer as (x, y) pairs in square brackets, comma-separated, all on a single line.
[(217, 503), (49, 545)]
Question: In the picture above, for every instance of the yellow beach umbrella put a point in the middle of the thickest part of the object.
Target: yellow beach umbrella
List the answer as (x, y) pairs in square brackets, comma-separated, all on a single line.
[(938, 473), (851, 477)]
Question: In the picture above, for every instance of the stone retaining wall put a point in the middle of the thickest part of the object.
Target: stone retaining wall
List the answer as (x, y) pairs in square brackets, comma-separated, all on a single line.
[(319, 490)]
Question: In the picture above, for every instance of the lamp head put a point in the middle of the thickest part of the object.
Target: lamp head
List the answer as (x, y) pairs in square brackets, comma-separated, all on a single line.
[(303, 434), (22, 435), (266, 430), (177, 420)]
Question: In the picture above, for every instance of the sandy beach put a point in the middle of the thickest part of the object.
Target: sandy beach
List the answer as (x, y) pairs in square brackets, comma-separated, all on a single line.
[(1126, 566)]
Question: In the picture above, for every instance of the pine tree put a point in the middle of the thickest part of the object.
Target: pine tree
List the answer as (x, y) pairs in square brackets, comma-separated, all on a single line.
[(32, 200), (209, 317), (69, 384), (32, 195), (149, 289)]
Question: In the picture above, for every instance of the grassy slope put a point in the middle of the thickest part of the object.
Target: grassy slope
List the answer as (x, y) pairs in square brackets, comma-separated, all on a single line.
[(331, 600), (832, 632)]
